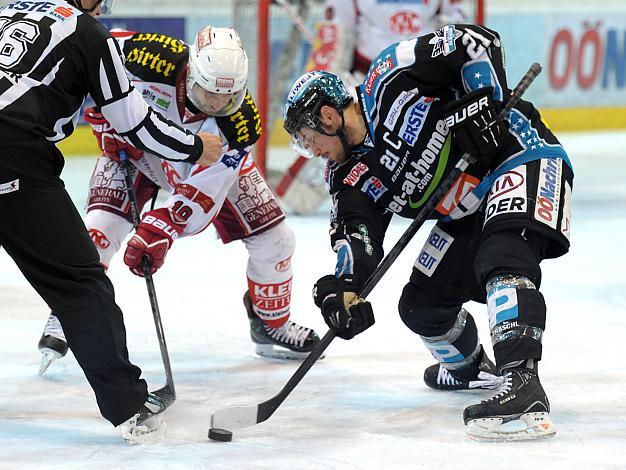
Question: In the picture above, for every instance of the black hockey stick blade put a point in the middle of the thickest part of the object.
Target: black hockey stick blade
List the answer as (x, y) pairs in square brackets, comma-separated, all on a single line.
[(242, 416), (238, 417)]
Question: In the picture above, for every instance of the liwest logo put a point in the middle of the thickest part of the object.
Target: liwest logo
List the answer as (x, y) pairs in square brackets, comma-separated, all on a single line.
[(295, 89)]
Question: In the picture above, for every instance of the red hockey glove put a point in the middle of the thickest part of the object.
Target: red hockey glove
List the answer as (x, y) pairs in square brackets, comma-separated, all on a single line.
[(343, 311), (154, 236), (109, 141)]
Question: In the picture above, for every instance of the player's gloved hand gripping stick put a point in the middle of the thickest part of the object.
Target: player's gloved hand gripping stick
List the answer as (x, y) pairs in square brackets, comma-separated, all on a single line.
[(226, 419), (167, 393)]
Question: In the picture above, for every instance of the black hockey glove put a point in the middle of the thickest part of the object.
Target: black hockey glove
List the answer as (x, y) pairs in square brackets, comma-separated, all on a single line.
[(343, 311), (475, 125)]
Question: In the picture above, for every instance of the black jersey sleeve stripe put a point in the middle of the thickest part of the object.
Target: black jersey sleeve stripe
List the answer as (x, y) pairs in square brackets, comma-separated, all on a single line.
[(112, 76), (157, 136), (118, 62)]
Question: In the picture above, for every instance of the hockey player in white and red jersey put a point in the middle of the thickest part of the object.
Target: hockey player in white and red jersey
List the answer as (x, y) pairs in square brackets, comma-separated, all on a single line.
[(351, 35), (365, 27), (202, 87)]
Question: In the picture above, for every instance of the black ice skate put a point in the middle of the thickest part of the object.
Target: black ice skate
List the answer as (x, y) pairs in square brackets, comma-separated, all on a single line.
[(521, 401), (480, 378), (290, 341), (147, 424), (52, 343)]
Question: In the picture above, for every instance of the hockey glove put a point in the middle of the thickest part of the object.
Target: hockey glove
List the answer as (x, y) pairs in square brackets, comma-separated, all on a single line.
[(343, 311), (154, 236), (109, 141), (475, 125)]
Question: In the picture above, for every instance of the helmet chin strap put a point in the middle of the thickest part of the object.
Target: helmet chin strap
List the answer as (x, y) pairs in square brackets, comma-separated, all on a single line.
[(341, 133)]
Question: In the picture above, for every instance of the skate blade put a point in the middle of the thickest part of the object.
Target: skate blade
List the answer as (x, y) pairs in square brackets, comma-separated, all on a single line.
[(48, 356), (272, 351), (537, 426), (134, 434)]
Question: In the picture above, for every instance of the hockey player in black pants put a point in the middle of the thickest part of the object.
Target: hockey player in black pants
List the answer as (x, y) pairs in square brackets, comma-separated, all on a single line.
[(53, 54), (423, 103)]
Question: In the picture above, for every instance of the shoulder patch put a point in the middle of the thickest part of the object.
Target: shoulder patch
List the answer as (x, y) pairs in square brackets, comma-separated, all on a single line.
[(243, 128), (444, 40), (380, 66), (155, 57)]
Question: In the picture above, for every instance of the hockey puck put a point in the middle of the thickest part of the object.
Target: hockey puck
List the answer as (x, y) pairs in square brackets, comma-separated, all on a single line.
[(221, 435)]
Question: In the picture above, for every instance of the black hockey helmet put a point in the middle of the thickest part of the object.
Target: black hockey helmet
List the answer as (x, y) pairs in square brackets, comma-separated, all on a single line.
[(307, 95)]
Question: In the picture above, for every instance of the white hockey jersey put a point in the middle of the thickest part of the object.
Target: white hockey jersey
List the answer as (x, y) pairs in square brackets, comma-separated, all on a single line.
[(156, 66), (375, 24)]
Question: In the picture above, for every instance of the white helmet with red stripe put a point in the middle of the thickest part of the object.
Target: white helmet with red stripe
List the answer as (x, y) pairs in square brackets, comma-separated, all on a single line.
[(218, 71)]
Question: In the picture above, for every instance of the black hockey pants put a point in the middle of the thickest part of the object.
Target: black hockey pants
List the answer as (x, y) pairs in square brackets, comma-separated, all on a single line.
[(42, 231)]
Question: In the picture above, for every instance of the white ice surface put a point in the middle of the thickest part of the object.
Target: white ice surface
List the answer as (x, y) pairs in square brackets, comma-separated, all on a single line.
[(365, 405)]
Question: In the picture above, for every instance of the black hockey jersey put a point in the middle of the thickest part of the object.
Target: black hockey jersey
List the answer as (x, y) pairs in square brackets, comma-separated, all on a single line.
[(53, 55), (409, 150)]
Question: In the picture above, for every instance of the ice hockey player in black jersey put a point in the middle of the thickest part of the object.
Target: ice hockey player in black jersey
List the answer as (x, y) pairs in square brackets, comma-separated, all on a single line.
[(54, 53), (423, 103)]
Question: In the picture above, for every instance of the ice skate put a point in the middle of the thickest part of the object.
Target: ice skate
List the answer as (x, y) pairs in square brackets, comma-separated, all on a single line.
[(519, 411), (484, 378), (290, 341), (147, 424), (52, 343)]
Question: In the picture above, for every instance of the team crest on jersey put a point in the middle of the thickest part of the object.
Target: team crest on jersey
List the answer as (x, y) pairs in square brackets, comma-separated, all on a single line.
[(444, 41), (232, 158), (377, 69)]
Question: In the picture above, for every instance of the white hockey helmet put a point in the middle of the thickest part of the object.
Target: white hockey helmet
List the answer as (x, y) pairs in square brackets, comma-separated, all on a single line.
[(218, 71)]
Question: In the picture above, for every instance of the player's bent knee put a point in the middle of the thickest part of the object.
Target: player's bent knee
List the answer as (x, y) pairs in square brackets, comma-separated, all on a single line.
[(423, 313), (273, 245), (509, 252), (107, 231)]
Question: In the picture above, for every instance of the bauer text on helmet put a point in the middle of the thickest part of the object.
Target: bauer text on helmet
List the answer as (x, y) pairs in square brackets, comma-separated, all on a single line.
[(218, 71)]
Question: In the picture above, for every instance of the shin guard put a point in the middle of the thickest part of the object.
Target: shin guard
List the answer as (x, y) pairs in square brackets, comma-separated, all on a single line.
[(517, 316), (459, 347)]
